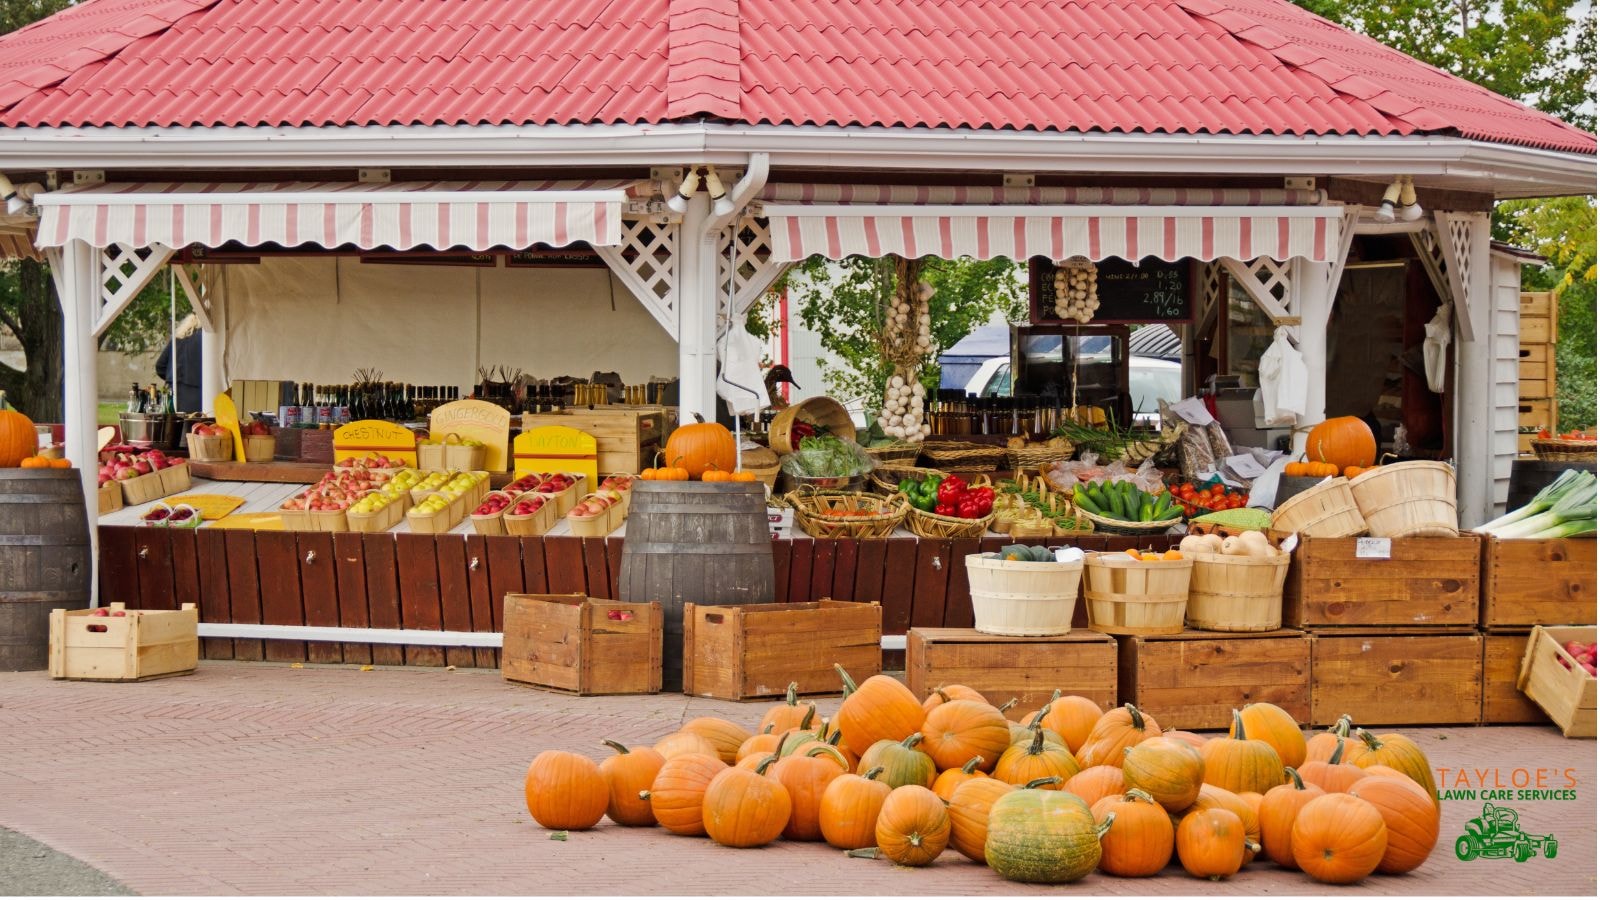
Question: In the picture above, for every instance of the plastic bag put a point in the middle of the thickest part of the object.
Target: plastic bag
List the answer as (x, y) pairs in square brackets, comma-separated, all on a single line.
[(1194, 453), (1068, 474), (825, 456)]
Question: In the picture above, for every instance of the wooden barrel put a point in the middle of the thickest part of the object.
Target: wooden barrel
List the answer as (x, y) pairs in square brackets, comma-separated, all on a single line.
[(44, 560), (1530, 476), (688, 541)]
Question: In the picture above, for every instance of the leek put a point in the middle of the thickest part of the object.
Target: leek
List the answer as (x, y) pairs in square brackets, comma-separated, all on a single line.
[(1569, 500)]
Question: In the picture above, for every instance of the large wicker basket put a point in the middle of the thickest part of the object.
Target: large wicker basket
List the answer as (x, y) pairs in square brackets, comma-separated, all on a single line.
[(1564, 450), (1108, 525), (824, 412), (1326, 511), (1236, 593), (847, 514), (958, 456), (1034, 457), (1131, 596), (1409, 499), (899, 452), (885, 479), (933, 525)]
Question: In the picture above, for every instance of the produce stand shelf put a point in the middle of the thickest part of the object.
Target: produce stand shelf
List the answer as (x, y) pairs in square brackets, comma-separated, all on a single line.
[(1397, 676), (1027, 668), (1194, 680)]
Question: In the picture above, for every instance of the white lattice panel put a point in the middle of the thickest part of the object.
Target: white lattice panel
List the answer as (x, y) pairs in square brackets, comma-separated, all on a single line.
[(1267, 281), (1212, 278), (646, 262), (1452, 247), (749, 265), (199, 283), (124, 272)]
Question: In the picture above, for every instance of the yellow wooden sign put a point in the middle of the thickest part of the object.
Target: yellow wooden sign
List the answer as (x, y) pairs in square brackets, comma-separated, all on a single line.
[(364, 437), (228, 417), (557, 448), (475, 420)]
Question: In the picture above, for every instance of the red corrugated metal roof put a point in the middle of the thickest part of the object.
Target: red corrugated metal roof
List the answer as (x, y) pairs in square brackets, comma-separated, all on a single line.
[(1157, 66)]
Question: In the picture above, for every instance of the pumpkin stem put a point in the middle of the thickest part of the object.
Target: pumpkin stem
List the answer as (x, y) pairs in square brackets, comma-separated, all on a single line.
[(833, 739), (1037, 747), (911, 741), (1343, 726), (1040, 782), (849, 683), (863, 853), (806, 721), (1294, 778), (615, 746), (1371, 739), (1038, 717), (1055, 695), (1008, 704), (762, 769), (943, 697), (1137, 794), (792, 696), (1252, 846), (971, 764), (768, 729), (1101, 829), (873, 773), (1238, 727), (914, 839), (1338, 753), (644, 795), (1136, 717)]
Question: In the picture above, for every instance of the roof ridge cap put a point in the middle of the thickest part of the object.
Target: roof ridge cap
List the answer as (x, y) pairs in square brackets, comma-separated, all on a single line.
[(703, 49)]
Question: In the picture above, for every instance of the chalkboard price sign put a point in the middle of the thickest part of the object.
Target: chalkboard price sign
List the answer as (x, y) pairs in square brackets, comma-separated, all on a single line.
[(1152, 291)]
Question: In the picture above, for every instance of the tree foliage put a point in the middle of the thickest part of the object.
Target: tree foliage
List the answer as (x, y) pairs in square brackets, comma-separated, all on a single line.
[(842, 303)]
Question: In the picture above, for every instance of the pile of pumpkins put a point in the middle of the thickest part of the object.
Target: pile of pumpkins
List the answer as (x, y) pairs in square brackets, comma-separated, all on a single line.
[(703, 451), (1074, 789)]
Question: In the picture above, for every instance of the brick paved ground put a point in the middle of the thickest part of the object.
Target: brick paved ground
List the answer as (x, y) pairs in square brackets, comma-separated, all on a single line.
[(259, 778)]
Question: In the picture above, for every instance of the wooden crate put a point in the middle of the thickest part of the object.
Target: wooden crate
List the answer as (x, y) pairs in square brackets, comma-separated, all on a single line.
[(755, 650), (1538, 582), (1196, 679), (572, 643), (1537, 318), (626, 438), (1536, 414), (1503, 704), (1567, 693), (134, 646), (1536, 371), (1397, 676), (1027, 668), (1427, 581)]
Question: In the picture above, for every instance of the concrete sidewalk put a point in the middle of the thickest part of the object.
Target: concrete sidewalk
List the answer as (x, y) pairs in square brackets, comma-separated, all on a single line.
[(264, 779)]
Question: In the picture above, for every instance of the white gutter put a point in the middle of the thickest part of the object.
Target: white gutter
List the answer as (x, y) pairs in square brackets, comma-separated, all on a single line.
[(1509, 170), (413, 636)]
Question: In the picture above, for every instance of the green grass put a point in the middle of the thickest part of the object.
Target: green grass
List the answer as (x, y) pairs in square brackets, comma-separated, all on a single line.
[(108, 413)]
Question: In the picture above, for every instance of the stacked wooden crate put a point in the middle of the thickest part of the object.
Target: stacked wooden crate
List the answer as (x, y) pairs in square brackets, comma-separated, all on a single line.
[(1393, 623), (1528, 583), (1536, 369)]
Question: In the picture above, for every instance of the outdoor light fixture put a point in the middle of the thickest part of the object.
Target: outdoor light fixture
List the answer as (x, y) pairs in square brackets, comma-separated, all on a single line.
[(721, 204), (680, 201), (1410, 209), (1391, 196), (16, 204)]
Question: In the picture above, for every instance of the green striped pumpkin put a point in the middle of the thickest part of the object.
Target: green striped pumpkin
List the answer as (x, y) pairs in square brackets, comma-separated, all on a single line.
[(1043, 837), (902, 762)]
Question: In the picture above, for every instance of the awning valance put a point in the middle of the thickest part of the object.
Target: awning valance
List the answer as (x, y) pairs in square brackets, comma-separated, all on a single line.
[(800, 230), (476, 215)]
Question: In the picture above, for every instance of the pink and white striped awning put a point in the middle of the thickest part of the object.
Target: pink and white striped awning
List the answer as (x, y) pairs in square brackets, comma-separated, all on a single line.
[(800, 230), (474, 215)]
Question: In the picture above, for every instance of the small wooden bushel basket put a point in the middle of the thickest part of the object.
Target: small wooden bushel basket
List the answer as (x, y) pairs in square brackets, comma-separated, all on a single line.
[(133, 646), (1236, 593), (1130, 596), (210, 448)]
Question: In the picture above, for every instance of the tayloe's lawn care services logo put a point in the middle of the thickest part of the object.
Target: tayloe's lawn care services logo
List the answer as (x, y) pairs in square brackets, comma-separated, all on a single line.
[(1498, 834)]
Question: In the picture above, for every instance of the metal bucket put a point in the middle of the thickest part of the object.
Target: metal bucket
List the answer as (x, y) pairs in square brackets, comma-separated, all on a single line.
[(149, 429)]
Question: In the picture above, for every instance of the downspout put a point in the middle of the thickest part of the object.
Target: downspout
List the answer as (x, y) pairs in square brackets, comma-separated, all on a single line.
[(699, 327)]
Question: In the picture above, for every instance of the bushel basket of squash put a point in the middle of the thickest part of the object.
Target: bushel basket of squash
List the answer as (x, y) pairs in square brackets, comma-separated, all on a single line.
[(1077, 788)]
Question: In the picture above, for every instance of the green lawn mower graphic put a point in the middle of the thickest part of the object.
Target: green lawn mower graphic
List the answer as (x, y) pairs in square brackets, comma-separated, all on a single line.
[(1496, 835)]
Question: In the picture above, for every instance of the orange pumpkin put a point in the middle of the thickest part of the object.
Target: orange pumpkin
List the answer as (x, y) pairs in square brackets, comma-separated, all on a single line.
[(880, 708), (944, 693), (1139, 842), (742, 477), (627, 775), (724, 735), (956, 731), (950, 779), (1400, 753), (806, 778), (1339, 838), (790, 713), (1096, 783), (1023, 763), (969, 814), (1188, 737), (1321, 745), (1334, 776), (1295, 470), (1242, 763), (1167, 769), (1213, 797), (849, 810), (913, 827), (763, 744), (1410, 816), (1266, 722), (744, 808), (565, 791), (1211, 843), (702, 446), (34, 462), (1114, 732), (1344, 441), (679, 789), (1072, 717), (18, 438), (1279, 807), (683, 742), (61, 463)]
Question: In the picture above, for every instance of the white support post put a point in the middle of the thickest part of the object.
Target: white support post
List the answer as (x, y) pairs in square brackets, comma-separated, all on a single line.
[(213, 342), (78, 286), (1311, 293), (697, 324), (1475, 402)]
